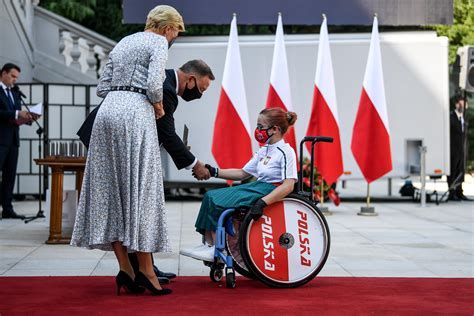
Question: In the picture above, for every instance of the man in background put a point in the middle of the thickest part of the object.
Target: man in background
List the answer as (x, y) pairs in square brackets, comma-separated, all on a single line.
[(457, 139), (11, 116)]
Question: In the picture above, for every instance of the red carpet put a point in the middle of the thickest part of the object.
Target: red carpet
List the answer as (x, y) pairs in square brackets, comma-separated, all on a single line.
[(324, 295)]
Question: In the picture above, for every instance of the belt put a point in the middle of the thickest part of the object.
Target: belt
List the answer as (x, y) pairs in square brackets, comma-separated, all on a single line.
[(128, 88)]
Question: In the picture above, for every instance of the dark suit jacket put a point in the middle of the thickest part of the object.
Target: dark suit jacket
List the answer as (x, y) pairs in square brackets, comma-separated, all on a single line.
[(173, 144), (456, 137), (9, 132)]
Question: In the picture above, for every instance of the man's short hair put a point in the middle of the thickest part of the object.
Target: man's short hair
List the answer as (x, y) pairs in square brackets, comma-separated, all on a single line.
[(455, 99), (198, 67), (9, 66)]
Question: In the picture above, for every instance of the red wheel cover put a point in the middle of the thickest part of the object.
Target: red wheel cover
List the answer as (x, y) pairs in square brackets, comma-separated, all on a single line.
[(287, 243)]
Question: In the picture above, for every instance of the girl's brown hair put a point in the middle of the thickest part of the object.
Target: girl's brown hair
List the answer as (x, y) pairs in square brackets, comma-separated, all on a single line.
[(280, 118)]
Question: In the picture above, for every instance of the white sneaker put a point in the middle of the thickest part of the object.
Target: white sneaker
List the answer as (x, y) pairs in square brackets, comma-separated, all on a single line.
[(197, 248), (203, 252)]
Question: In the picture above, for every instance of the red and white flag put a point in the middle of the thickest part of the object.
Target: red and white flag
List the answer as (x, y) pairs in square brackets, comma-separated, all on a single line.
[(371, 134), (279, 92), (231, 142), (324, 120)]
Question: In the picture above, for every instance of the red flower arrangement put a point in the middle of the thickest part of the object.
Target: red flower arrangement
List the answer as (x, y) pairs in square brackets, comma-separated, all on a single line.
[(319, 183)]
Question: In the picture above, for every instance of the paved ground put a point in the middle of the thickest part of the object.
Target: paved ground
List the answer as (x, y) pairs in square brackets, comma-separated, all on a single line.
[(405, 240)]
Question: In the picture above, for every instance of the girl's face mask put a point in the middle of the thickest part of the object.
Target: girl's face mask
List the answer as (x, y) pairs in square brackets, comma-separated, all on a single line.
[(262, 135)]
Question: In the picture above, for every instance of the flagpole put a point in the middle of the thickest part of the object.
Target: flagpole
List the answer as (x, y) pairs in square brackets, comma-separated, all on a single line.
[(323, 208), (322, 192), (368, 210), (368, 194)]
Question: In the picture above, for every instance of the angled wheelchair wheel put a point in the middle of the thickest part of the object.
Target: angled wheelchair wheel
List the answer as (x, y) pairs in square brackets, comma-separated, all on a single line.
[(233, 248), (216, 274), (289, 245)]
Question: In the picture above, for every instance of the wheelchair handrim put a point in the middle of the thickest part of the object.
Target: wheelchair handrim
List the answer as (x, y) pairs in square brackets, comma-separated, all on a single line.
[(233, 248), (289, 244)]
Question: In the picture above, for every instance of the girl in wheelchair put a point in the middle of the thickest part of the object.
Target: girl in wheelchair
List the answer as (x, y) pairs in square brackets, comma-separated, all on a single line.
[(274, 166)]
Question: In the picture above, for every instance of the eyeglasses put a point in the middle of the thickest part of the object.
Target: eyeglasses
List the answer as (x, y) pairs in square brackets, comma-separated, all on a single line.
[(260, 127)]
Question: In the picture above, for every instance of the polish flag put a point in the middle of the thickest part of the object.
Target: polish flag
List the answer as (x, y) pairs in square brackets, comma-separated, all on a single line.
[(324, 120), (231, 142), (371, 134), (279, 92)]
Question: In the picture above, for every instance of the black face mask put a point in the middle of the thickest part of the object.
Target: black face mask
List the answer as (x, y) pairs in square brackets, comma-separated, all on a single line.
[(191, 94), (171, 43)]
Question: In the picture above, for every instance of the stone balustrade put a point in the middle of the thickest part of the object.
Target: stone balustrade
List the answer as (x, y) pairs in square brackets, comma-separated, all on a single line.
[(78, 47), (81, 53)]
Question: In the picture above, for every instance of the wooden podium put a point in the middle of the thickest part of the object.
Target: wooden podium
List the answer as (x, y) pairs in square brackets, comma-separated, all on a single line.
[(58, 165)]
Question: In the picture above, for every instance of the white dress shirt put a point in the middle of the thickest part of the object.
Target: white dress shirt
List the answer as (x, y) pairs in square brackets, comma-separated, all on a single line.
[(9, 95)]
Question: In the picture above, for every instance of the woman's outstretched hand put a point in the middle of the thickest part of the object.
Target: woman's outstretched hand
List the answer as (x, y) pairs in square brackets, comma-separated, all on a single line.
[(159, 111)]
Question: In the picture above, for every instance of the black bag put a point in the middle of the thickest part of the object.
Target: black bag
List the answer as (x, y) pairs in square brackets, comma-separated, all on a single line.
[(85, 131), (407, 189)]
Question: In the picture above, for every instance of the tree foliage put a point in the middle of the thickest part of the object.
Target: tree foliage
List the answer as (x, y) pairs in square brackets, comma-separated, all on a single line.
[(461, 33), (76, 10)]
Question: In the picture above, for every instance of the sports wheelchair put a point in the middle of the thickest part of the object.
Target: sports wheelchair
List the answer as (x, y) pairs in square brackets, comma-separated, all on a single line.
[(285, 248)]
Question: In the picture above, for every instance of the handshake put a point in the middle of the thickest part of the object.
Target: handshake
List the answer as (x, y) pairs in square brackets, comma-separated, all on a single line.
[(204, 171)]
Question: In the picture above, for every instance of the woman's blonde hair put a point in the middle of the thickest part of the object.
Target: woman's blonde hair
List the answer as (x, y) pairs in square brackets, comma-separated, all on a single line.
[(162, 16)]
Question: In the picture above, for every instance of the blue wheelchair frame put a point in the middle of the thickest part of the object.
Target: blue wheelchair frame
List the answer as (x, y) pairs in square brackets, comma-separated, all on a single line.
[(220, 237)]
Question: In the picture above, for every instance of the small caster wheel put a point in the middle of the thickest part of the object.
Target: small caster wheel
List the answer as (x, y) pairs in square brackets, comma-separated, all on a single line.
[(216, 274), (230, 280)]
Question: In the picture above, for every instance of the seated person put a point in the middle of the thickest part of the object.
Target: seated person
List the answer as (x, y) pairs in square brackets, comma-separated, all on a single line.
[(274, 166)]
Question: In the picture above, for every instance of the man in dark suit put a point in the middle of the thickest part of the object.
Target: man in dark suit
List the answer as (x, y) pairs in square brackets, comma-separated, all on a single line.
[(190, 81), (457, 140), (11, 116)]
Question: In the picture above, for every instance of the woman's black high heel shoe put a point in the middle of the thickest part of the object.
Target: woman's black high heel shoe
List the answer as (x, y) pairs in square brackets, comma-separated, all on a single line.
[(142, 280), (124, 280)]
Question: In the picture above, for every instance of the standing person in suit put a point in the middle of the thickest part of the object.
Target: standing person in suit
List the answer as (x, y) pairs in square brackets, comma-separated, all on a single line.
[(10, 116), (190, 81), (457, 140)]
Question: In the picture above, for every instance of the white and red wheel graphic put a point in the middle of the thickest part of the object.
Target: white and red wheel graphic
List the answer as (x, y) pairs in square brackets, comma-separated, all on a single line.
[(288, 245)]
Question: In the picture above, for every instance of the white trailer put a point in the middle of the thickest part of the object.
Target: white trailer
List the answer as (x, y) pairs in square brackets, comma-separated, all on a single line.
[(415, 66)]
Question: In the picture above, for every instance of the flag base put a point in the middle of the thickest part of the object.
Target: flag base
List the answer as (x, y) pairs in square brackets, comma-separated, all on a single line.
[(325, 210), (367, 211)]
